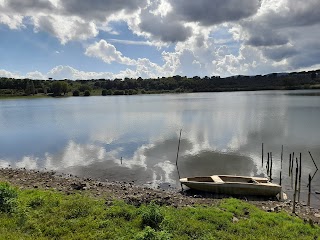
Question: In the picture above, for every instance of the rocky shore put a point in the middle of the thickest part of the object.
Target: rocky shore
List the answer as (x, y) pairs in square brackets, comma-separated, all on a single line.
[(137, 195)]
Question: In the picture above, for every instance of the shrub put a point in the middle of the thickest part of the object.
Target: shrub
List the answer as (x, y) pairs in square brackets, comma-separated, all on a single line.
[(76, 93), (8, 197), (118, 92), (87, 93), (150, 234), (104, 92), (152, 216), (36, 202)]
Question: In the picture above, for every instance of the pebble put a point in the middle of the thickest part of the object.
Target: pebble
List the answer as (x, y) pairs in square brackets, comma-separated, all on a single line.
[(235, 220)]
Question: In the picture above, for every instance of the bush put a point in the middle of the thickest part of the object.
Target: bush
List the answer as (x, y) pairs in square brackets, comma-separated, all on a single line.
[(118, 92), (87, 93), (8, 196), (104, 92), (150, 234), (36, 202), (152, 216), (76, 93)]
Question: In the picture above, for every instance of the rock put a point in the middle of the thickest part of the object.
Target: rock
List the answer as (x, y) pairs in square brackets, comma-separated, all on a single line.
[(317, 215), (235, 220), (78, 186), (277, 209), (270, 210)]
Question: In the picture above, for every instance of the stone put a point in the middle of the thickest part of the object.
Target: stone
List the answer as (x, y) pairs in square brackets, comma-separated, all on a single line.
[(235, 220), (317, 215)]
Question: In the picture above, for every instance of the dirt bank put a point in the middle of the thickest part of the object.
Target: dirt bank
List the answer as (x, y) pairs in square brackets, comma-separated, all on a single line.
[(137, 195)]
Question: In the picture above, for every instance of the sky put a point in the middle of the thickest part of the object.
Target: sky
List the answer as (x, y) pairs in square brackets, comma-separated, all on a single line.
[(82, 39)]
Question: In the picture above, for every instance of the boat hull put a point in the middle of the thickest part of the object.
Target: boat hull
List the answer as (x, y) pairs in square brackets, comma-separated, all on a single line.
[(234, 188)]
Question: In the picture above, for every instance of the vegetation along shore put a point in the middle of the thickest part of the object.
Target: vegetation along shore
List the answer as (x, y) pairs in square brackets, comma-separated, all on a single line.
[(10, 87), (46, 205)]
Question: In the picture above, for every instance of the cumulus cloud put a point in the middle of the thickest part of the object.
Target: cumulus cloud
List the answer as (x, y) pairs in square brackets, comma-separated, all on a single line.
[(167, 29), (66, 28), (285, 31), (211, 12), (108, 53), (100, 9)]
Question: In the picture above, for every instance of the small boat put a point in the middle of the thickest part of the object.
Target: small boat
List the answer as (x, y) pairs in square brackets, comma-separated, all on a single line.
[(233, 185)]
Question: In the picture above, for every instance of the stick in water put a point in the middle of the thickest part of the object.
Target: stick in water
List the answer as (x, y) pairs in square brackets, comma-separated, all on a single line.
[(295, 188), (178, 157), (309, 192)]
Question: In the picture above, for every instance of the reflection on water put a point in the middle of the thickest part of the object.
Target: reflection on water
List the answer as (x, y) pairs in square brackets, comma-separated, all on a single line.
[(222, 134)]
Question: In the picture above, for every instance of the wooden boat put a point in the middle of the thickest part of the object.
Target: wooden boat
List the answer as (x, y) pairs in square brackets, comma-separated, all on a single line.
[(233, 185)]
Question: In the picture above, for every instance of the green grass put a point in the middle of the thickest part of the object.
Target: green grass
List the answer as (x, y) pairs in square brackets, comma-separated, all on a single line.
[(41, 214)]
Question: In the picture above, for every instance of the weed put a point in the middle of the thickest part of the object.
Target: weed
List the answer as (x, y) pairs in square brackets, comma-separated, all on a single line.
[(150, 234), (152, 216), (8, 196)]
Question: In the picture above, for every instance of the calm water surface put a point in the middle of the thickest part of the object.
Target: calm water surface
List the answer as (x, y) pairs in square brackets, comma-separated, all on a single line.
[(222, 134)]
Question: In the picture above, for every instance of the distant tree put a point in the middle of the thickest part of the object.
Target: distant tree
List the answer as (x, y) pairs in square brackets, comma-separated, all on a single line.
[(56, 88), (64, 87), (104, 92), (313, 75), (76, 93), (30, 89), (87, 93)]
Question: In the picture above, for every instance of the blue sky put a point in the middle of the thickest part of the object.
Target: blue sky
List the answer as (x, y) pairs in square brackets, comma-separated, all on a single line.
[(80, 39)]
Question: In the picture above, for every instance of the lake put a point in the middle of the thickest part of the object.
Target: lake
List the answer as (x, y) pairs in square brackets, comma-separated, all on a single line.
[(135, 138)]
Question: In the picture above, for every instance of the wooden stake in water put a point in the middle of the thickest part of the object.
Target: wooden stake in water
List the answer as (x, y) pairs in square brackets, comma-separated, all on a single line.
[(267, 165), (271, 163), (121, 160), (290, 165), (262, 155), (292, 162), (281, 165), (300, 169), (309, 192), (295, 188), (178, 157)]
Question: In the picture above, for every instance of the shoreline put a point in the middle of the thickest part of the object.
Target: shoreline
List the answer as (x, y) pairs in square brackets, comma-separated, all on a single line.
[(138, 195), (95, 94)]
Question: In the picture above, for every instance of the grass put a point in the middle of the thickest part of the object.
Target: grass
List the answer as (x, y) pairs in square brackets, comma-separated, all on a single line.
[(41, 214)]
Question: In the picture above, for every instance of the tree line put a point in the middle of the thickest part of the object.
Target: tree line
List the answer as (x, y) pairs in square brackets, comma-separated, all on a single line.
[(178, 84)]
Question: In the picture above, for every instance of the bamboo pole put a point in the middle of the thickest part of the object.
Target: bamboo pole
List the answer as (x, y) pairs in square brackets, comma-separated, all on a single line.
[(268, 164), (178, 158), (271, 163), (300, 169), (295, 188), (309, 192), (290, 165), (262, 155), (281, 165)]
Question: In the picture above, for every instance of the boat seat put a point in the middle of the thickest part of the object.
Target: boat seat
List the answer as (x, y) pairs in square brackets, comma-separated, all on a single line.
[(216, 179)]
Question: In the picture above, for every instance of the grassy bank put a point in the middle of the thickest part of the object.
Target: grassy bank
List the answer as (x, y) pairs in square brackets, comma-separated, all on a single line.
[(48, 214)]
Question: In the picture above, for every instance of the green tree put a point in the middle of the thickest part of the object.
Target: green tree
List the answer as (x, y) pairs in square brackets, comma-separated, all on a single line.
[(76, 93), (56, 88), (30, 89), (64, 87), (87, 93)]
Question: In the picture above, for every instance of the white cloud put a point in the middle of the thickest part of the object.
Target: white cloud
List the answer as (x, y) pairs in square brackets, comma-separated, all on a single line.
[(108, 53), (65, 28), (12, 21), (4, 73), (35, 75)]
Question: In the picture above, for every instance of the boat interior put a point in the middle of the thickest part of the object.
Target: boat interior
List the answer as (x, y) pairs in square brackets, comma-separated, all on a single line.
[(224, 179)]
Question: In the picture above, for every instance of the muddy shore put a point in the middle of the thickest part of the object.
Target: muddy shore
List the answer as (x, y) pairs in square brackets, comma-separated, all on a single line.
[(137, 195)]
